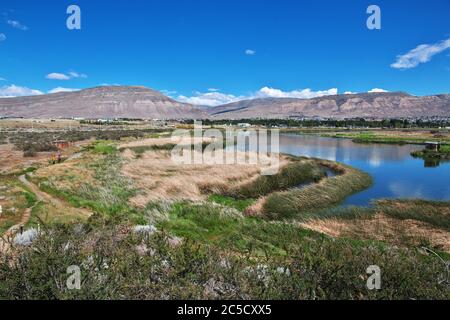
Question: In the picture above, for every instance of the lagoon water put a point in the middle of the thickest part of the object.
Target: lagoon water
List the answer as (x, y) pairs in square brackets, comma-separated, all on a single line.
[(396, 173)]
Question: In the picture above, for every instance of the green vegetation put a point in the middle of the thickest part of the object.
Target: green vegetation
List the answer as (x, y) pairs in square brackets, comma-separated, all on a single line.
[(238, 204), (330, 123), (296, 173), (379, 137), (108, 196), (105, 148), (445, 149), (33, 142), (140, 150), (211, 250), (434, 213), (17, 198), (443, 153), (298, 264), (3, 138), (327, 193)]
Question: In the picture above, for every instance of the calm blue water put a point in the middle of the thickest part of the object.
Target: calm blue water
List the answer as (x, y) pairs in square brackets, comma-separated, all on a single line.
[(396, 174)]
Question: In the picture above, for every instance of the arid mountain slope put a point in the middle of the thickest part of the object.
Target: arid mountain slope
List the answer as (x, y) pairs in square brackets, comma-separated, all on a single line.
[(141, 102), (100, 102), (373, 105)]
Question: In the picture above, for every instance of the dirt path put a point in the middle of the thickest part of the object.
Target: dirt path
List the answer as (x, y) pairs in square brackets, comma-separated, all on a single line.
[(45, 197), (9, 235), (41, 197)]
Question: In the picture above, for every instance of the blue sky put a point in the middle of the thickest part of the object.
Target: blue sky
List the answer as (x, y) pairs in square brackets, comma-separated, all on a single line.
[(213, 51)]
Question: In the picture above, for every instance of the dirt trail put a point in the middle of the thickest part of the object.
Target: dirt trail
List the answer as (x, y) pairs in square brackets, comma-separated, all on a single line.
[(45, 197), (41, 197)]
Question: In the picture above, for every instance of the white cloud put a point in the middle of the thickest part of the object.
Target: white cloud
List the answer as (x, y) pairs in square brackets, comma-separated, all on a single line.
[(218, 98), (377, 90), (17, 91), (16, 24), (63, 76), (57, 76), (250, 52), (349, 92), (267, 92), (420, 54), (61, 89), (75, 75), (210, 99), (2, 37), (213, 90)]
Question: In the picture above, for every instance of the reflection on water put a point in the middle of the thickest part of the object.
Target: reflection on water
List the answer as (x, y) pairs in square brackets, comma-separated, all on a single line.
[(396, 173)]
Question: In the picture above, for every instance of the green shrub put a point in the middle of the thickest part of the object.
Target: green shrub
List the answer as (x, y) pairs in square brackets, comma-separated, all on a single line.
[(118, 265)]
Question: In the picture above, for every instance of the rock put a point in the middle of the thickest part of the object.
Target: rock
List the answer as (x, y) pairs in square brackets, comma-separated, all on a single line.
[(146, 230), (26, 238)]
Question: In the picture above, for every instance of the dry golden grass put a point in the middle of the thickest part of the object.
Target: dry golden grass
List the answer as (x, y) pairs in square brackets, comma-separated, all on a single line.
[(39, 124), (384, 228), (157, 142), (70, 174), (13, 160), (161, 179)]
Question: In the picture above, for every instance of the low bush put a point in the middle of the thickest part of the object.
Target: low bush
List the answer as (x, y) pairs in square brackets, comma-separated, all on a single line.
[(116, 263)]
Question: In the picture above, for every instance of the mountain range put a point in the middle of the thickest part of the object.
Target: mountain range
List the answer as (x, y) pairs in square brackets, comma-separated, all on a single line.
[(101, 102), (145, 103)]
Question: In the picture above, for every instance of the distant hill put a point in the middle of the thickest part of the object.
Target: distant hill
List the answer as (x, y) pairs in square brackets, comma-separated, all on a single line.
[(371, 105), (101, 102), (145, 103)]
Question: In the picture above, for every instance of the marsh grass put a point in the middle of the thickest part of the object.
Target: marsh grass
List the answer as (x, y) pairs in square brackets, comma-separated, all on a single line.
[(239, 204), (435, 213), (326, 193), (407, 223), (297, 172)]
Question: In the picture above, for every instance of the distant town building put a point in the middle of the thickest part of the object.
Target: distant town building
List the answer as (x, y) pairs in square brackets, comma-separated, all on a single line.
[(433, 146)]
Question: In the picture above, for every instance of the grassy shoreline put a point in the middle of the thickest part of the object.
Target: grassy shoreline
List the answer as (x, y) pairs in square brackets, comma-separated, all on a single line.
[(381, 136), (327, 193), (442, 154)]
